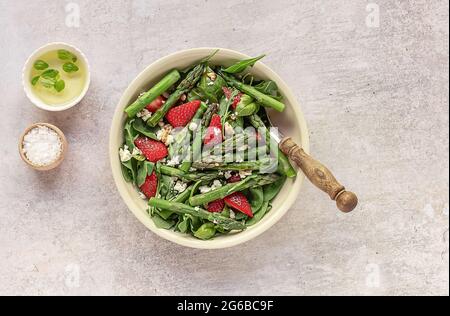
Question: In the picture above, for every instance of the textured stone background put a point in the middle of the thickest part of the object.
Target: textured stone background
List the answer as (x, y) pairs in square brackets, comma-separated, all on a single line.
[(376, 101)]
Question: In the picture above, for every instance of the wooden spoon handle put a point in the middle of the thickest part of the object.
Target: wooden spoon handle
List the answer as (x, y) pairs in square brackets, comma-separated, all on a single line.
[(320, 176)]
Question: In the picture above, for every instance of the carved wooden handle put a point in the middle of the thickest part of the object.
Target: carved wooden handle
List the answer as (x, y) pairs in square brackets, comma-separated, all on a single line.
[(320, 176)]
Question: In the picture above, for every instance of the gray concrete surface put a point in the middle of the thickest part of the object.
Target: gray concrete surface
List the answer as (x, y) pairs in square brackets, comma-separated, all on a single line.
[(376, 101)]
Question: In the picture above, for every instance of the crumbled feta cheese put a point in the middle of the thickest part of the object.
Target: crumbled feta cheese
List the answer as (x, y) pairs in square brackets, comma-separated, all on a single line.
[(192, 169), (197, 208), (180, 187), (164, 134), (212, 76), (136, 152), (211, 83), (245, 173), (169, 140), (144, 114), (233, 116), (142, 195), (204, 189), (175, 161), (193, 127), (216, 184), (229, 130), (161, 123), (125, 154), (232, 214), (228, 174)]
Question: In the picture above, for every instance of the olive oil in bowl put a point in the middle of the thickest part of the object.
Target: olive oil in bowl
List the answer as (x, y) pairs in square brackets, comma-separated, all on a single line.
[(58, 77)]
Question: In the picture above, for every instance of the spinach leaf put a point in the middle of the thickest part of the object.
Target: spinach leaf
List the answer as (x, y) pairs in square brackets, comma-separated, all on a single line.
[(145, 168), (272, 190), (257, 198), (258, 216), (162, 223), (211, 85), (130, 134), (242, 65), (142, 128), (270, 88)]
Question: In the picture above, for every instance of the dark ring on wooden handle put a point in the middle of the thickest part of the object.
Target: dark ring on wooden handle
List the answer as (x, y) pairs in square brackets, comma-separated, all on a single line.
[(320, 176)]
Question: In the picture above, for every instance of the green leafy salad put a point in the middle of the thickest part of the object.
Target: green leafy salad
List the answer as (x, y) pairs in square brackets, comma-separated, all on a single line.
[(198, 147)]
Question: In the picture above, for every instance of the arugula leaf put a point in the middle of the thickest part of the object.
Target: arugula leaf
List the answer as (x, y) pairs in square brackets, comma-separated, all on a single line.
[(40, 65), (242, 65), (60, 85), (66, 55), (269, 87), (35, 80), (70, 67)]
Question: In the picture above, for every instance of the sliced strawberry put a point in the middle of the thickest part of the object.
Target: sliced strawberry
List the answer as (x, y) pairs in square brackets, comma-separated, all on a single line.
[(180, 116), (150, 185), (156, 104), (235, 177), (216, 206), (237, 99), (239, 202), (153, 150), (214, 132)]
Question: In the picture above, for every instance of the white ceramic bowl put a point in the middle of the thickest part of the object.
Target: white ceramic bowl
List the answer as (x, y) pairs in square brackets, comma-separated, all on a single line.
[(29, 65), (291, 122)]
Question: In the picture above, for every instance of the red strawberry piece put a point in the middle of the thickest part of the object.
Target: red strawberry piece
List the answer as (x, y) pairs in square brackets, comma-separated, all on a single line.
[(239, 202), (237, 99), (153, 150), (214, 132), (216, 206), (150, 185), (181, 115), (156, 104), (235, 177)]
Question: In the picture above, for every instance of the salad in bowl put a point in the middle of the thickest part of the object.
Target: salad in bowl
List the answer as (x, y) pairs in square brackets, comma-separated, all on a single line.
[(198, 148)]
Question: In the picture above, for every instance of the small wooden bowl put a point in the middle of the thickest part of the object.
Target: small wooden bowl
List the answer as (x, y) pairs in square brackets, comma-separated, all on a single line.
[(54, 164)]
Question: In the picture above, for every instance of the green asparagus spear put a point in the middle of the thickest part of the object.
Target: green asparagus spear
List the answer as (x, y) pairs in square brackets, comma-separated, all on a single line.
[(148, 97), (187, 84), (262, 98), (284, 166), (181, 209), (173, 172), (226, 190), (187, 163), (246, 165)]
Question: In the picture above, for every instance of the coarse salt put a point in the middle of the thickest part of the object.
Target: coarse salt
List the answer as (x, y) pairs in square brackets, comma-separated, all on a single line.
[(42, 146)]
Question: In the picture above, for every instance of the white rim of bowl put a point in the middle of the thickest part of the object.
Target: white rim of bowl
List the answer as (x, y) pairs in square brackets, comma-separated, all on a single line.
[(229, 240), (27, 85)]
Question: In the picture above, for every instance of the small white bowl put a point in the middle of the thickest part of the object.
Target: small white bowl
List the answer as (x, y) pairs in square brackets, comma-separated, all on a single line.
[(29, 65)]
